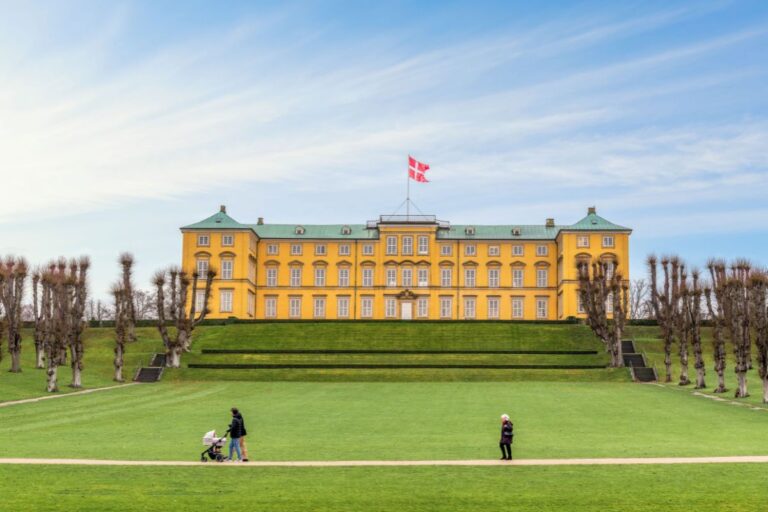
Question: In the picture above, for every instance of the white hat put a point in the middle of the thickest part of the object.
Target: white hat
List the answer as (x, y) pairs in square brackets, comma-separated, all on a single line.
[(505, 416)]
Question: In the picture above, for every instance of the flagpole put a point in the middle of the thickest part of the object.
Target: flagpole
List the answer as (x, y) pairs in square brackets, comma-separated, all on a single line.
[(408, 195)]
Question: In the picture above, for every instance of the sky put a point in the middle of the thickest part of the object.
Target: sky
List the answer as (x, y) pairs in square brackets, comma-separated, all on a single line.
[(122, 121)]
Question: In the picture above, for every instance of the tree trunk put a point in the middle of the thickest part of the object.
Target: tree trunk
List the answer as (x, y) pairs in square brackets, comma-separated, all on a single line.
[(720, 382), (668, 361), (173, 357), (765, 390), (119, 363), (741, 392), (53, 381), (77, 381), (16, 361), (39, 356), (700, 383), (684, 380)]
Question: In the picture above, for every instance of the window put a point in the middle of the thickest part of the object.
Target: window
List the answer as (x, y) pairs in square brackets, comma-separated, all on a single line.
[(251, 303), (493, 278), (390, 307), (321, 249), (494, 250), (272, 249), (366, 307), (227, 240), (469, 307), (609, 269), (407, 277), (517, 307), (423, 245), (423, 277), (579, 304), (344, 250), (445, 277), (367, 277), (295, 276), (346, 230), (295, 249), (407, 245), (344, 277), (422, 307), (541, 277), (318, 310), (470, 250), (202, 268), (270, 307), (272, 277), (294, 307), (517, 250), (200, 300), (226, 269), (493, 307), (319, 276), (609, 303), (542, 250), (342, 307), (517, 278), (542, 307), (582, 241), (391, 277), (446, 250), (608, 241), (225, 301), (391, 245), (299, 230), (367, 249), (252, 270), (203, 240), (469, 277), (446, 307)]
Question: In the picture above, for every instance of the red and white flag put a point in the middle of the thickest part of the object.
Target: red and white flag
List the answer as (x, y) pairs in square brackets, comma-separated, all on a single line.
[(417, 169)]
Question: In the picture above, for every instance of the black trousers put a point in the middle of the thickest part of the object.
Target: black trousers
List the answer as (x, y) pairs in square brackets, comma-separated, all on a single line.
[(506, 450)]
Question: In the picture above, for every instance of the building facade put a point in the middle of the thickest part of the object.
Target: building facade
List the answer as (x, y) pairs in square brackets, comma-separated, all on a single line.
[(398, 268)]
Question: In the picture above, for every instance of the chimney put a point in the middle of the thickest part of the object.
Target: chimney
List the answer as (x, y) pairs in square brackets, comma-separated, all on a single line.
[(260, 222), (591, 210), (223, 208), (550, 223)]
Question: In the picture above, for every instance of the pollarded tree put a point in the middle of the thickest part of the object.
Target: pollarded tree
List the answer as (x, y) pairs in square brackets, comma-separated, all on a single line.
[(664, 308), (604, 297), (174, 308), (37, 318), (78, 270), (56, 290), (758, 289), (125, 316), (682, 323), (13, 273), (692, 311), (718, 277), (736, 309)]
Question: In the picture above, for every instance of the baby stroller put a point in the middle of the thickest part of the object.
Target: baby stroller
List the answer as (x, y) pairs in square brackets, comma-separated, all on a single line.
[(214, 444)]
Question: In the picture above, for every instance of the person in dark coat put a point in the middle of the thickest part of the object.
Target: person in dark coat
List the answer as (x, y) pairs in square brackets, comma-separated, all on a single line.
[(507, 433), (243, 448), (235, 432)]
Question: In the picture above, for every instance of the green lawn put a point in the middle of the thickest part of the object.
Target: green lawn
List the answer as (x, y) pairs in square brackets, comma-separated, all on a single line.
[(705, 488)]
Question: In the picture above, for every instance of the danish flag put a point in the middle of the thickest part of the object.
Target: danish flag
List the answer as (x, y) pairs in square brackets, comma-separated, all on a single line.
[(417, 169)]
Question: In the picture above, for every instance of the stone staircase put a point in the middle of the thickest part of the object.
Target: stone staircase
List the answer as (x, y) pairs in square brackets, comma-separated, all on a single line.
[(635, 361), (153, 372)]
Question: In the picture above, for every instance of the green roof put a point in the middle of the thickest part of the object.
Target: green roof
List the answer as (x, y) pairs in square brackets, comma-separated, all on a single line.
[(592, 222)]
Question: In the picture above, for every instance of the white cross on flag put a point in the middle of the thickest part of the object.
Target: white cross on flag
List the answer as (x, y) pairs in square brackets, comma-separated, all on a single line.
[(417, 169)]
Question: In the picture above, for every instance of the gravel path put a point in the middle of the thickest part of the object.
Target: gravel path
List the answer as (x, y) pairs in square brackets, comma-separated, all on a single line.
[(62, 395), (348, 463)]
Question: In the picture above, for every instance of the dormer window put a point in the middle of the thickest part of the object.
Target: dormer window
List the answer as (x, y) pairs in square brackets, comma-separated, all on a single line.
[(515, 231), (469, 231), (300, 230), (346, 230)]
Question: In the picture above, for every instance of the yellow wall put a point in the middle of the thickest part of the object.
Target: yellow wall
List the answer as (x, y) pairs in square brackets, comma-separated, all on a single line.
[(251, 261)]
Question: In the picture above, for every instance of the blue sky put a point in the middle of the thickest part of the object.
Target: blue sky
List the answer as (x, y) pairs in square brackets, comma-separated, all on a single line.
[(120, 122)]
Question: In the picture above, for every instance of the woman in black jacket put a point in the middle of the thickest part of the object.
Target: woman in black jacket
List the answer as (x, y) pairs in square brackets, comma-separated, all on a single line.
[(507, 433)]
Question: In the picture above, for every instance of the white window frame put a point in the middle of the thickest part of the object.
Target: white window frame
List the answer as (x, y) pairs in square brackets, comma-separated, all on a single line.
[(367, 249), (518, 307), (270, 307), (294, 307), (406, 277), (542, 277), (423, 245), (609, 303), (319, 277), (493, 307), (342, 306), (226, 300), (202, 266), (271, 277), (422, 307), (446, 250), (470, 277), (579, 304), (407, 246), (542, 308), (321, 249), (470, 250), (422, 277), (470, 308), (391, 274), (227, 268), (227, 240), (318, 307), (609, 241), (343, 277), (518, 277), (367, 277), (446, 277), (582, 241), (344, 250), (295, 277), (542, 250), (273, 249), (296, 249), (518, 250), (391, 246), (610, 268), (494, 279), (494, 250), (366, 307), (199, 300), (390, 307), (203, 240), (446, 307)]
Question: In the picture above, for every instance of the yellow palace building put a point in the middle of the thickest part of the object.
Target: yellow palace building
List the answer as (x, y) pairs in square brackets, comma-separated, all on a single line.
[(399, 267)]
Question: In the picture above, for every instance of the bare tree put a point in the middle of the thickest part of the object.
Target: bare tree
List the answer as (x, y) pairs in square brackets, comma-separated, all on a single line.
[(691, 296), (736, 309), (37, 318), (145, 305), (600, 290), (13, 273), (125, 313), (178, 283), (718, 276), (639, 299), (682, 324), (758, 289), (56, 291), (664, 308), (78, 270)]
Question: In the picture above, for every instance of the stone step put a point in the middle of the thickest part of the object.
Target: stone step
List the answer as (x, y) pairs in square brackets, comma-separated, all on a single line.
[(158, 360), (628, 346), (149, 374), (645, 374), (636, 360)]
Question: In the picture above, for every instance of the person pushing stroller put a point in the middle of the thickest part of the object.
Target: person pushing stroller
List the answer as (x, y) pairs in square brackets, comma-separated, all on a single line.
[(236, 430)]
